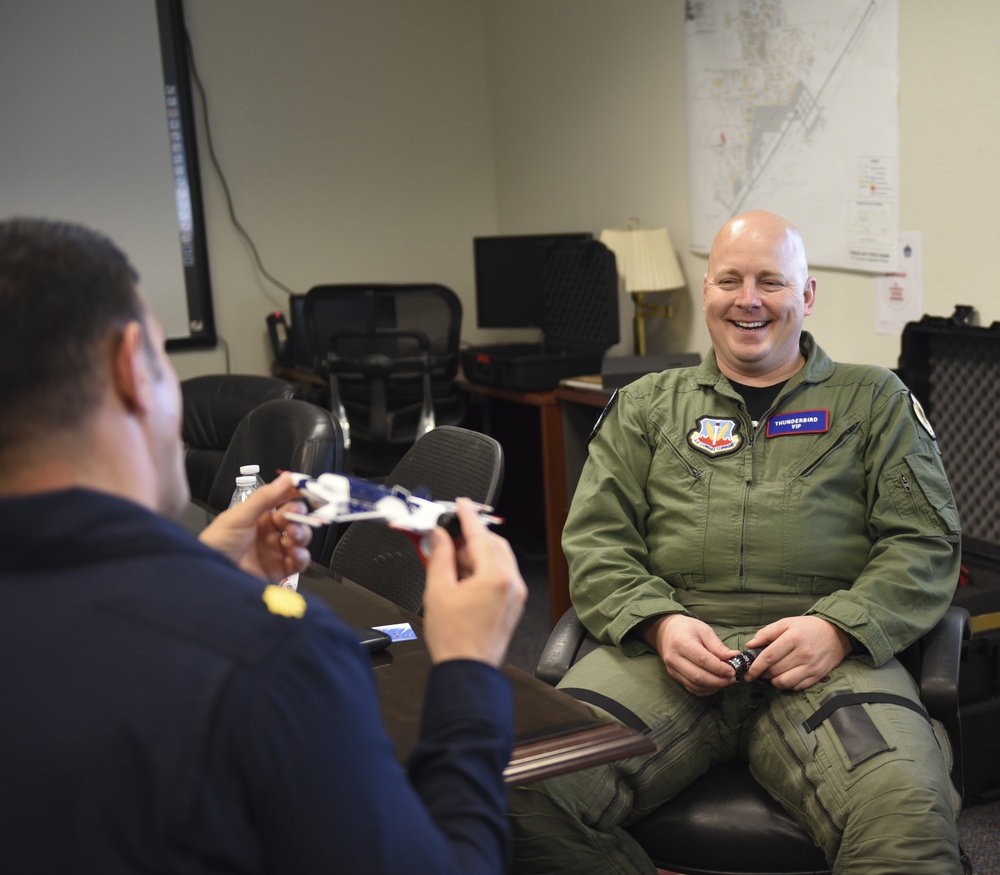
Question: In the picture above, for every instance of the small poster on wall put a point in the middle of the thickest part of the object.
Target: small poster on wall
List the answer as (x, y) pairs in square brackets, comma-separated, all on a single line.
[(899, 295)]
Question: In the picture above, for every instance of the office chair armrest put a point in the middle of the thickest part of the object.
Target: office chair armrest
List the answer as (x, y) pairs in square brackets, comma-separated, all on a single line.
[(940, 662), (939, 665), (561, 648), (941, 651)]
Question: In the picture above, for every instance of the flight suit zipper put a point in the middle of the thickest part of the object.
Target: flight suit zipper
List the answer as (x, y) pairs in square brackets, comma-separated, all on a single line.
[(694, 472), (747, 482), (803, 771)]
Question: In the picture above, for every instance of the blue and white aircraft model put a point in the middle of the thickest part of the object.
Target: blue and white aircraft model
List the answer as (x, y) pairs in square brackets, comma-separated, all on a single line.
[(339, 498)]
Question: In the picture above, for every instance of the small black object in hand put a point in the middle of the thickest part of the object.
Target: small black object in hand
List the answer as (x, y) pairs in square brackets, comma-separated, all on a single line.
[(744, 660)]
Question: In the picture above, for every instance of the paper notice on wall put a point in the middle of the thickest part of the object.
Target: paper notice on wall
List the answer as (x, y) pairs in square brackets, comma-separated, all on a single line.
[(899, 295)]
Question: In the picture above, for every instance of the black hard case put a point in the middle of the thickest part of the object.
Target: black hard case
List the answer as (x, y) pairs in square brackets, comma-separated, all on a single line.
[(953, 369), (581, 322)]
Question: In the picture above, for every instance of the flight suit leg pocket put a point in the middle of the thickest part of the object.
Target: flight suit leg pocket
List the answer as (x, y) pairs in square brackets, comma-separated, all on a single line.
[(855, 732), (859, 738)]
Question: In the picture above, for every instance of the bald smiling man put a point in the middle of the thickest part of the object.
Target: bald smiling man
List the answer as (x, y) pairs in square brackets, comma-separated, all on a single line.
[(768, 498)]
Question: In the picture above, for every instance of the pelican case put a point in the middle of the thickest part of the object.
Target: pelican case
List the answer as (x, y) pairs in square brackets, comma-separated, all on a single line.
[(953, 369), (581, 322)]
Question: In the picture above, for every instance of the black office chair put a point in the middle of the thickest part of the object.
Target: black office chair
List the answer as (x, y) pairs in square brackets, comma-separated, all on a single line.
[(390, 355), (444, 464), (214, 405), (725, 823), (283, 434)]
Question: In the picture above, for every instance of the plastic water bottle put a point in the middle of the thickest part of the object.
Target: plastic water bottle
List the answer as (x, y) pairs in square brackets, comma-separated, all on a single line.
[(247, 470), (246, 485)]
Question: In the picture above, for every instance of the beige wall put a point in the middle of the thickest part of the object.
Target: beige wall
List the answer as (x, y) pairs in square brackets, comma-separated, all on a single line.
[(371, 141), (588, 110), (356, 139)]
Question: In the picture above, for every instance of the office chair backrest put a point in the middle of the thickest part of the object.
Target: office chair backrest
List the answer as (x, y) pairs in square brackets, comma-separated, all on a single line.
[(214, 405), (390, 353), (429, 308), (283, 435), (280, 435), (444, 464)]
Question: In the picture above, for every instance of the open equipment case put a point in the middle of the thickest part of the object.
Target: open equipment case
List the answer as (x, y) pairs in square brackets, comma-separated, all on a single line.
[(953, 369), (581, 322)]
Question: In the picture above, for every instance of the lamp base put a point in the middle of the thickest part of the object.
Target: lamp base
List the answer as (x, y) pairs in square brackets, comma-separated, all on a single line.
[(643, 311)]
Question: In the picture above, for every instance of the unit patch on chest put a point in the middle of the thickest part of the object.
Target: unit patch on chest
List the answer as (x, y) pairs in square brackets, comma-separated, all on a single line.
[(799, 422), (715, 437)]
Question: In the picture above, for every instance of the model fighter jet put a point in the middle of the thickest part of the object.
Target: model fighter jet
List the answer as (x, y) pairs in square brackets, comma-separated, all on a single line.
[(338, 498)]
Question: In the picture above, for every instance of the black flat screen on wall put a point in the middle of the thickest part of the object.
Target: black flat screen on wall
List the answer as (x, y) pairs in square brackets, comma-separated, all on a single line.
[(98, 128), (509, 287)]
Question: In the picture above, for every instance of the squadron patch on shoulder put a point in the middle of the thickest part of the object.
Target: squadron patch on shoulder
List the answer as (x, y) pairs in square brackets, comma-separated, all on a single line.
[(918, 411), (604, 413), (715, 437), (283, 602)]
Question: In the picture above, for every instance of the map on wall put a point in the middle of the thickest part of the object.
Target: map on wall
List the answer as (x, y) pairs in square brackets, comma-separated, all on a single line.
[(792, 106)]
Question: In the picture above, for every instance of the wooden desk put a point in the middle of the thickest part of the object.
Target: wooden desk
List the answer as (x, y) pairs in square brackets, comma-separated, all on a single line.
[(566, 417), (554, 734), (307, 380), (553, 477), (580, 409)]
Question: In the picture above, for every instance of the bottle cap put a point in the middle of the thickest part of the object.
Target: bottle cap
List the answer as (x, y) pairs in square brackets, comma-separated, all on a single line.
[(249, 469), (246, 480)]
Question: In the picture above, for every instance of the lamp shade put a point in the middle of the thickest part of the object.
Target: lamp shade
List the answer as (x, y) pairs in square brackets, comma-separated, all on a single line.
[(646, 258)]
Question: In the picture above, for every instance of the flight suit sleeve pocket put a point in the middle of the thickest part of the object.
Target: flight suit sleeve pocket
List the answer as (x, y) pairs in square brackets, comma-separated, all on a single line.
[(922, 496)]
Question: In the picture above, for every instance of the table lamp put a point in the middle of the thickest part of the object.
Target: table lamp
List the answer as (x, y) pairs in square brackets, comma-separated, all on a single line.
[(647, 263)]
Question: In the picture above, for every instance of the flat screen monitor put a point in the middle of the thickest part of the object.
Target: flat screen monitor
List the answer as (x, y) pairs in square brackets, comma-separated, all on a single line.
[(509, 284), (98, 128)]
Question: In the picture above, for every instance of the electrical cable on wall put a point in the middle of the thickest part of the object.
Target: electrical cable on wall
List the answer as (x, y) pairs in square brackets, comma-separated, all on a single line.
[(225, 185), (221, 341)]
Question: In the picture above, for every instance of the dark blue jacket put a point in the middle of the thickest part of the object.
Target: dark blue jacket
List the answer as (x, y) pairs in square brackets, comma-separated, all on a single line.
[(157, 716)]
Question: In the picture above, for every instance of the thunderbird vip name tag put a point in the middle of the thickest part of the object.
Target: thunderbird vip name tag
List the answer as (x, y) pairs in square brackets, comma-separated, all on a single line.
[(799, 422), (715, 437)]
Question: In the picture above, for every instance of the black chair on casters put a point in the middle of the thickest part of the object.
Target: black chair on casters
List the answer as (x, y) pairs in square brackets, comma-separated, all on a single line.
[(283, 434), (725, 823), (444, 464), (214, 405), (390, 355)]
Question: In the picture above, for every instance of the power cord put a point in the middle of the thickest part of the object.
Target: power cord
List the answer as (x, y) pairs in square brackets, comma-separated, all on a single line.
[(222, 179), (225, 349)]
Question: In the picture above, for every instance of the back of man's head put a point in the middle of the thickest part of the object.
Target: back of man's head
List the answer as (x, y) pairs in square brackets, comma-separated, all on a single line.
[(66, 293)]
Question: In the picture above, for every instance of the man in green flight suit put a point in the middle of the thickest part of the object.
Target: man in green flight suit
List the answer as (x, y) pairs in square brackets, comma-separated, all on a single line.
[(769, 498)]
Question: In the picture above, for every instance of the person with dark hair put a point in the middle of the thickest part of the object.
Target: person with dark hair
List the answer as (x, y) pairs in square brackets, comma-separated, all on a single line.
[(771, 499), (166, 708)]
